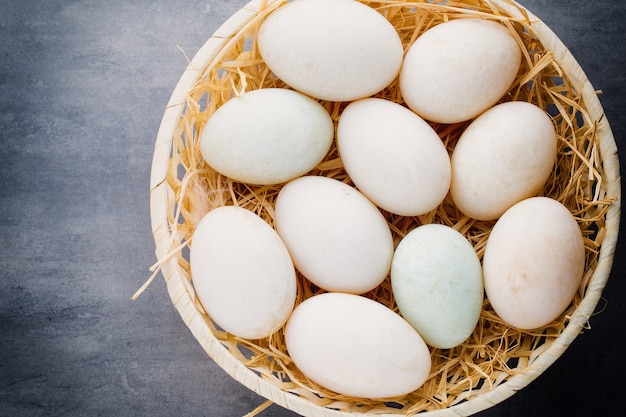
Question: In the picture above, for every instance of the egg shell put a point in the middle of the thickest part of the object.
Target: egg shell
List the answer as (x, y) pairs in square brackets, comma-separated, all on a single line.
[(437, 283), (242, 272), (337, 50), (337, 238), (458, 69), (504, 156), (533, 262), (267, 136), (357, 347), (393, 156)]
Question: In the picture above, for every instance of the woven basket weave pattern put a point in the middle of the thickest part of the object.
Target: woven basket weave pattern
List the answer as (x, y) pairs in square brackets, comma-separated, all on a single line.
[(497, 360)]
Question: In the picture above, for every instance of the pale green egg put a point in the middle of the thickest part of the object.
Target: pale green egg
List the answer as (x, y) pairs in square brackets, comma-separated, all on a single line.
[(437, 283), (267, 136)]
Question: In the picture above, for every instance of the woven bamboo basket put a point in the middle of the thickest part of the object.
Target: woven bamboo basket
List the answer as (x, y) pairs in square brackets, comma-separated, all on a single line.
[(497, 360)]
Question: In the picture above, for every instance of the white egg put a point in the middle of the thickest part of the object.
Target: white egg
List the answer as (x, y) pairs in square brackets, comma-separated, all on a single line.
[(242, 272), (533, 262), (337, 238), (267, 136), (503, 157), (393, 156), (356, 346), (458, 69), (336, 50), (437, 283)]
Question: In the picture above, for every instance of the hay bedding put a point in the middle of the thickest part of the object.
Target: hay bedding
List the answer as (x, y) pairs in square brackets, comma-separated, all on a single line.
[(495, 352)]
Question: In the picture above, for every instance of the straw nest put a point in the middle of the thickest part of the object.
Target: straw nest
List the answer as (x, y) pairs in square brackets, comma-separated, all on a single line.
[(497, 360)]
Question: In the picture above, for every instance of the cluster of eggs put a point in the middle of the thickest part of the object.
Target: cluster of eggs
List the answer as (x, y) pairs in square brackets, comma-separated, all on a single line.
[(334, 234)]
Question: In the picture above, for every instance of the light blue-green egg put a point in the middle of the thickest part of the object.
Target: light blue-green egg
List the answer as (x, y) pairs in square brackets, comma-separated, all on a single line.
[(437, 283)]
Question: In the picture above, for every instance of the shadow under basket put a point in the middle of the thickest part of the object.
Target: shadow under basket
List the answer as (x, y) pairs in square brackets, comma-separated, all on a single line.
[(497, 360)]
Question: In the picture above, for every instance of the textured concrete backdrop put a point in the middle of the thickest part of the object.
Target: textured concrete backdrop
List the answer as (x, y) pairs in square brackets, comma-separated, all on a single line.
[(83, 85)]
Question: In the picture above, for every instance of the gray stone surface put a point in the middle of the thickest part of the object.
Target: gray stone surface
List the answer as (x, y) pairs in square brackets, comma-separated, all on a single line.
[(83, 86)]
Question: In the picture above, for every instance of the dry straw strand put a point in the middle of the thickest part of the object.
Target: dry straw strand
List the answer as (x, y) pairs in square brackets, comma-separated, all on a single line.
[(497, 359)]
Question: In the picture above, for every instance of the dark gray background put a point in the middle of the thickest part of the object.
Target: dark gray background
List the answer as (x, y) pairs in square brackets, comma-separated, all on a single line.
[(83, 86)]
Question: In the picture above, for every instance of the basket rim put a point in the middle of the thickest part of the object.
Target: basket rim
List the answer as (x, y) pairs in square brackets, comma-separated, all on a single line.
[(160, 198)]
